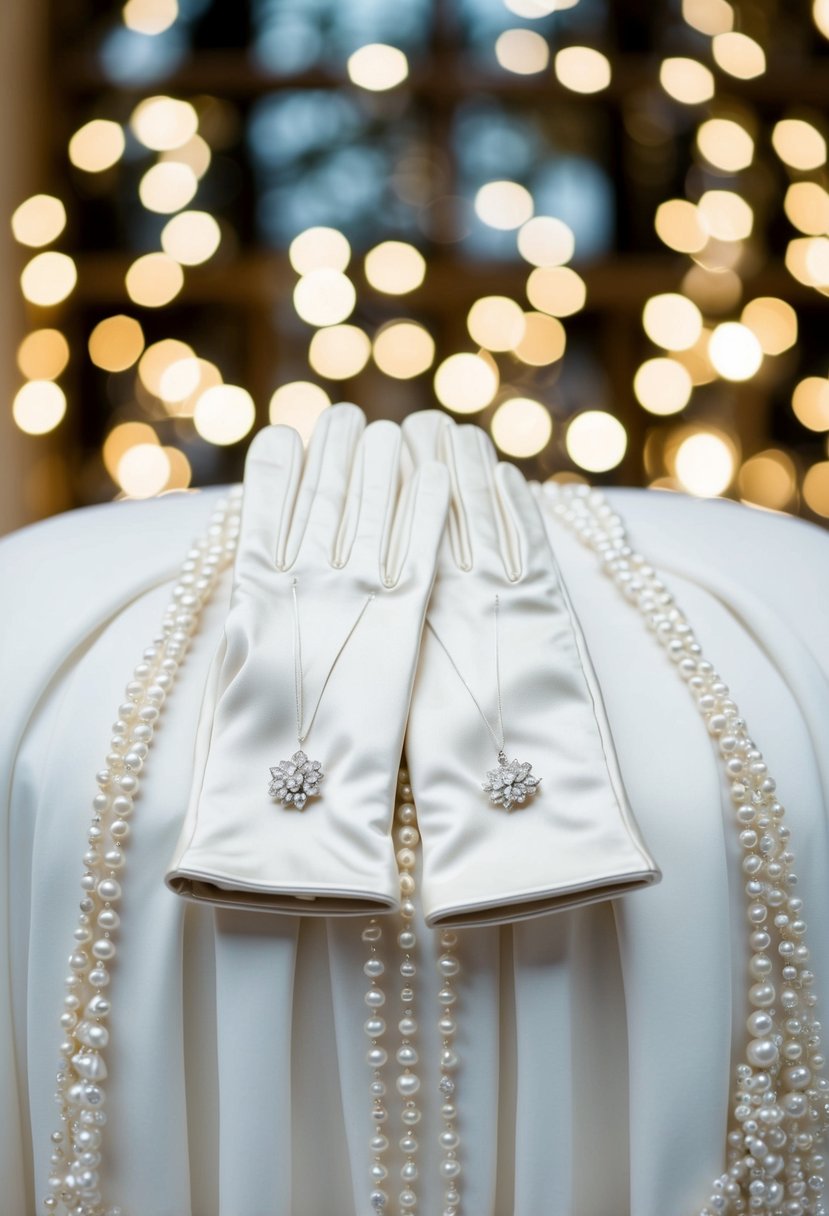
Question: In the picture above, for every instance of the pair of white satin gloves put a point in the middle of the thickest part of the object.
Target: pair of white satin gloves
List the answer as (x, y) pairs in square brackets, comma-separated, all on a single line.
[(344, 551)]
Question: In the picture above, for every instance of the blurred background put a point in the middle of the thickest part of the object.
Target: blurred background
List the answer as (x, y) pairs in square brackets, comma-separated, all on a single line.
[(598, 230)]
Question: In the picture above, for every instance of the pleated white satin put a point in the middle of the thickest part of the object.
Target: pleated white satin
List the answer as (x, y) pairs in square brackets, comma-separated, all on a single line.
[(595, 1044)]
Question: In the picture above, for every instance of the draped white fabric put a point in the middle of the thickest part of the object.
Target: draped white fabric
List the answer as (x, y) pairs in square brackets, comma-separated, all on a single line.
[(596, 1044)]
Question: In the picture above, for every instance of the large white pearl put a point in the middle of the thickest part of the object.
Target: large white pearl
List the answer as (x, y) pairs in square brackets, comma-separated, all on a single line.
[(408, 1083)]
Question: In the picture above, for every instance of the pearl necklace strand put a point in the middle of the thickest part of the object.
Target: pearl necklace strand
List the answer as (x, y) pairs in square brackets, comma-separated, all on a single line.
[(74, 1184), (780, 1100), (408, 1082)]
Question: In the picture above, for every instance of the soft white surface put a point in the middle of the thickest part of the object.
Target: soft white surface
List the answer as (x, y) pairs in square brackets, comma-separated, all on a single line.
[(596, 1048)]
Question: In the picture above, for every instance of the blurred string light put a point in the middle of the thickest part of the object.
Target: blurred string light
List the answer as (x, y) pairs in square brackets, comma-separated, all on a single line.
[(686, 80), (153, 280), (810, 403), (704, 464), (768, 479), (224, 414), (466, 383), (533, 9), (150, 16), (377, 67), (672, 321), (97, 146), (820, 13), (663, 385), (48, 278), (163, 123), (774, 323), (43, 354), (157, 358), (816, 488), (39, 220), (504, 204), (394, 267), (38, 406), (522, 51), (807, 207), (596, 441), (339, 352), (735, 351), (546, 241), (298, 404), (403, 349), (582, 69), (143, 470), (324, 297), (521, 427), (708, 16), (543, 342), (167, 186), (725, 144), (191, 237), (319, 249), (738, 54), (116, 343), (557, 290), (496, 322), (799, 144), (195, 154)]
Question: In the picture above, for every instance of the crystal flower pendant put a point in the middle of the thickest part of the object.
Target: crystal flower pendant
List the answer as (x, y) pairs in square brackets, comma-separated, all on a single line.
[(511, 783), (296, 780)]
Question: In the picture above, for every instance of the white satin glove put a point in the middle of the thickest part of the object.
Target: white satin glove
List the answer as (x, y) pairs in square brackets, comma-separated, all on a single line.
[(333, 572), (518, 849)]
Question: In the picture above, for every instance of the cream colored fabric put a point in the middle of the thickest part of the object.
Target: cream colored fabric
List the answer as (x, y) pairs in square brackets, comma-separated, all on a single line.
[(333, 571), (575, 839), (595, 1043)]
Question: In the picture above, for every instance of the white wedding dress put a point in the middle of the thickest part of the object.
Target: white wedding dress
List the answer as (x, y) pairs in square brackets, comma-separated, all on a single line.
[(596, 1045)]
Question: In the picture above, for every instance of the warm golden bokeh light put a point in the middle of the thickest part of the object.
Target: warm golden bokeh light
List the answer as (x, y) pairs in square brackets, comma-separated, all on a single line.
[(97, 145), (157, 358), (817, 260), (324, 297), (596, 441), (116, 343), (143, 470), (773, 321), (153, 280), (725, 144), (43, 354), (704, 464), (319, 249), (167, 187), (797, 259), (39, 220), (178, 377), (195, 153), (557, 290), (403, 349), (394, 267), (582, 69), (521, 427), (820, 13), (120, 439), (298, 404), (504, 204), (465, 383), (816, 488), (680, 226), (735, 351), (522, 51), (663, 386), (377, 67), (38, 406), (546, 241), (496, 322), (708, 16), (807, 207), (726, 215), (544, 340), (339, 352), (191, 237), (686, 80), (798, 144), (738, 55), (48, 278), (224, 414), (672, 321), (715, 291), (695, 359), (150, 16), (180, 472), (163, 123), (810, 402), (768, 479)]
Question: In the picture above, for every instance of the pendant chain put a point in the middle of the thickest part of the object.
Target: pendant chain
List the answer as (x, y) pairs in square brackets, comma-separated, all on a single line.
[(499, 743)]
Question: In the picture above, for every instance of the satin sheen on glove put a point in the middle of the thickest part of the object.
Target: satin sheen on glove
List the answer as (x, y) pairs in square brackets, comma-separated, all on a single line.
[(573, 839), (356, 546)]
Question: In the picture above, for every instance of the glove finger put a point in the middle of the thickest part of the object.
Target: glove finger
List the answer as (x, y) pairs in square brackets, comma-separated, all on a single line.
[(483, 536), (418, 526), (272, 471), (322, 493), (520, 506), (372, 498), (422, 432)]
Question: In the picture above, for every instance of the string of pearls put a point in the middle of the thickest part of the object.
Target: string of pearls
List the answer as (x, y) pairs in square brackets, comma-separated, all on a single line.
[(408, 1081), (74, 1183), (780, 1100)]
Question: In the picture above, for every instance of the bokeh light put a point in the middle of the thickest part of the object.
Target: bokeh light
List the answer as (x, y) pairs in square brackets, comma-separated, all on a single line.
[(735, 351), (557, 290), (726, 215), (38, 406), (157, 358), (120, 439), (663, 385), (403, 349), (339, 352), (521, 427), (816, 488), (298, 404), (163, 123), (704, 464), (807, 206), (143, 470), (798, 144), (738, 55), (496, 322), (116, 343), (672, 321), (319, 248), (48, 278), (395, 267), (465, 383), (167, 186), (582, 69), (43, 354), (544, 340), (377, 67), (324, 297), (596, 441), (97, 145), (773, 322), (191, 237), (725, 144), (522, 51), (810, 402), (154, 280), (768, 479), (150, 16), (686, 80), (39, 220), (504, 204), (224, 414), (546, 241), (680, 225)]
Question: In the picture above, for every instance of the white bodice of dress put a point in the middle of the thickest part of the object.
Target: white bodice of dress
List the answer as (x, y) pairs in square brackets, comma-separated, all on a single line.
[(596, 1045)]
